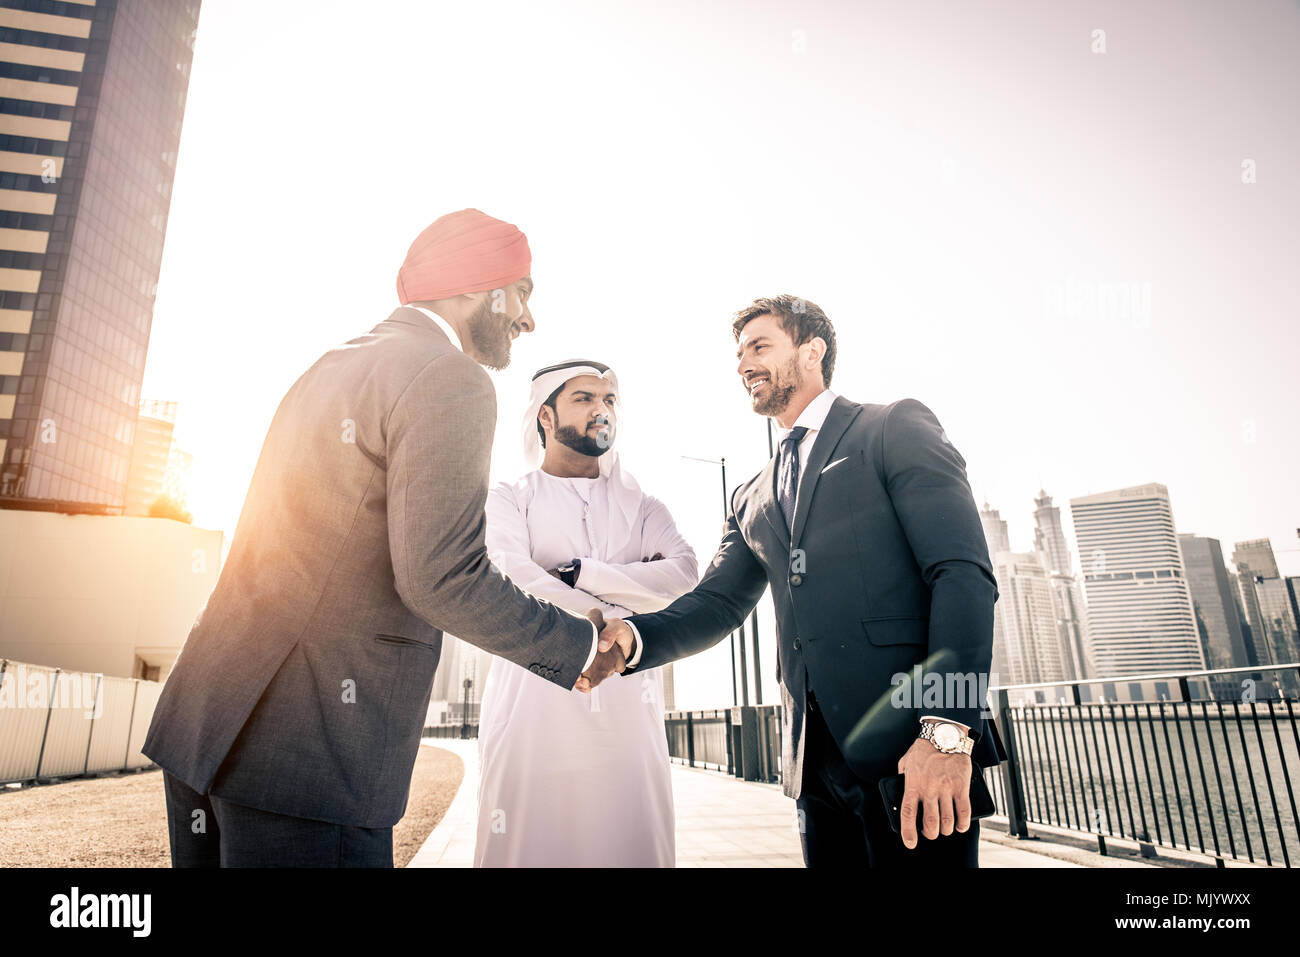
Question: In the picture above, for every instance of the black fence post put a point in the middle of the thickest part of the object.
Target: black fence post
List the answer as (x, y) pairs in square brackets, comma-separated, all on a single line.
[(726, 727), (1017, 823)]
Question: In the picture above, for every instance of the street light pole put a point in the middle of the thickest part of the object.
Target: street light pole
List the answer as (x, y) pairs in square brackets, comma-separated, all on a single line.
[(753, 617), (726, 514)]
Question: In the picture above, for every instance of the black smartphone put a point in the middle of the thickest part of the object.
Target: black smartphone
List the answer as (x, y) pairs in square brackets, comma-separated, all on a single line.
[(892, 788)]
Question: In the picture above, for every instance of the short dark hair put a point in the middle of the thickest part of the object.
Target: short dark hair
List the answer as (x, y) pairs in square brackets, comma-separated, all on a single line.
[(551, 401), (802, 321)]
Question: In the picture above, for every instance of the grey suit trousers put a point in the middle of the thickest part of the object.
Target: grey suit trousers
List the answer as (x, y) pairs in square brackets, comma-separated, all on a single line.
[(208, 831)]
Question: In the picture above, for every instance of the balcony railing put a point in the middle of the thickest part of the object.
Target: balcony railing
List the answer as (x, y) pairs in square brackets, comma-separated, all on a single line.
[(1189, 773)]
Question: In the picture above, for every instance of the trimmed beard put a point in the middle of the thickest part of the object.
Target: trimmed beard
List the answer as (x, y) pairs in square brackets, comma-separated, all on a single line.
[(489, 332), (781, 387), (582, 443)]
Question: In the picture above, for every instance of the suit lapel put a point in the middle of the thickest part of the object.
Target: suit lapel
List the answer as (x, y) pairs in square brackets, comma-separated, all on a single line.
[(767, 503), (837, 420)]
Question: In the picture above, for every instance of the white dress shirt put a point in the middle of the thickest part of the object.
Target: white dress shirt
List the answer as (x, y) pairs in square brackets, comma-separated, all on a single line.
[(811, 418), (451, 334)]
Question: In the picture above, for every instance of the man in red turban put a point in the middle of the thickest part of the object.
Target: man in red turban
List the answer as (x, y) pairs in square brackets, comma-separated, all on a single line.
[(289, 727), (472, 271)]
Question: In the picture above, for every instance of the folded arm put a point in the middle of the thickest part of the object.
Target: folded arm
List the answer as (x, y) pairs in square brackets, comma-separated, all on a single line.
[(510, 548), (646, 586)]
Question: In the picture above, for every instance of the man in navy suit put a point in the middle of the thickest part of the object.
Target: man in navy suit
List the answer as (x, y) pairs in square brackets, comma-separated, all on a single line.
[(864, 525)]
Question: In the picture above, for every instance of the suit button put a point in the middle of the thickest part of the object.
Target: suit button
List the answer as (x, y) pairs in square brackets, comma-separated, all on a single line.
[(797, 645), (796, 580), (534, 669)]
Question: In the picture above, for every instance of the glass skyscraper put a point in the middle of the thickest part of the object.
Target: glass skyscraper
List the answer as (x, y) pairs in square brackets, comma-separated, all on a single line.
[(1217, 618), (92, 96), (1050, 544), (1267, 598), (1140, 611)]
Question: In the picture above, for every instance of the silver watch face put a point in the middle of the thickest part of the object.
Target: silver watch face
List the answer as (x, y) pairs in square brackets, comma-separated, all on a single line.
[(946, 736)]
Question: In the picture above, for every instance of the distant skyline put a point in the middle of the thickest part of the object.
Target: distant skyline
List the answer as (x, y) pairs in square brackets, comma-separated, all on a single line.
[(1051, 247)]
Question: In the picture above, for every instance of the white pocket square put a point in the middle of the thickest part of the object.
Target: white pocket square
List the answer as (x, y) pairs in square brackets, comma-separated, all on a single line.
[(832, 465)]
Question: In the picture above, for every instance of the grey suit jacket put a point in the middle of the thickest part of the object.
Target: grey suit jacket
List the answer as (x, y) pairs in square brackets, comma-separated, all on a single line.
[(886, 565), (304, 683)]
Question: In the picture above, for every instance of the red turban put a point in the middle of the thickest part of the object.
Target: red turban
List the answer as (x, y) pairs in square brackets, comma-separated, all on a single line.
[(465, 251)]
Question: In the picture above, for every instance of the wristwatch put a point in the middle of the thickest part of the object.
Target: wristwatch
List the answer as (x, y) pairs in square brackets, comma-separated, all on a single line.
[(569, 573), (946, 736)]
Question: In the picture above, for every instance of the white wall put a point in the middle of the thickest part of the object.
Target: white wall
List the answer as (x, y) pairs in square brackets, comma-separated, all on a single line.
[(92, 593)]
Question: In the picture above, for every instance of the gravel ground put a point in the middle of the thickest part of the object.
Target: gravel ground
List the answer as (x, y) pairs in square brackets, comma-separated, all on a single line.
[(121, 821)]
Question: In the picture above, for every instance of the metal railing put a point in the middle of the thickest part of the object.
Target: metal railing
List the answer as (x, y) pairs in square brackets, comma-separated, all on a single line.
[(56, 724), (701, 739), (1191, 773), (1196, 773), (458, 730)]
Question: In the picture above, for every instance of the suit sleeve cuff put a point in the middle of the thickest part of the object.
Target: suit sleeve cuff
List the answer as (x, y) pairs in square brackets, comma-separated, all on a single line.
[(639, 646), (595, 640)]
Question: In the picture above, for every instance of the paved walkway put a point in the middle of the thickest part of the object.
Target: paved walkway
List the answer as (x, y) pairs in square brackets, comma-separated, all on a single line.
[(721, 822)]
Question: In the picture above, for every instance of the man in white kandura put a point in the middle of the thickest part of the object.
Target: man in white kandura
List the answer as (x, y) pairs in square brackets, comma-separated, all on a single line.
[(569, 779)]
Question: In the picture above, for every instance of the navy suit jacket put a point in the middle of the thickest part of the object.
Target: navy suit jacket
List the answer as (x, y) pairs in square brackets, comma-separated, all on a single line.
[(887, 564)]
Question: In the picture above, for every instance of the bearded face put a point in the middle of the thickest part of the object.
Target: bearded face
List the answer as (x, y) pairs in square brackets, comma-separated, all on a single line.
[(595, 442), (585, 416), (492, 334), (771, 388)]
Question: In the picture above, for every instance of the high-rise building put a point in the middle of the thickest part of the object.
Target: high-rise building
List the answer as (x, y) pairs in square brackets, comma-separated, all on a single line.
[(1279, 620), (1049, 536), (1072, 619), (92, 96), (1026, 619), (1025, 622), (1257, 555), (1258, 648), (997, 540), (1140, 612), (461, 662), (151, 456), (1293, 590), (1267, 599), (995, 530), (1217, 619)]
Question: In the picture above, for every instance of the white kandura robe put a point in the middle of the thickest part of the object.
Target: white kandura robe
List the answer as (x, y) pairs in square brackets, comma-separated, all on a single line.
[(567, 778)]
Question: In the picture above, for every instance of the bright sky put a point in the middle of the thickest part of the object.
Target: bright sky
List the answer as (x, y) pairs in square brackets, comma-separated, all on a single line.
[(970, 192)]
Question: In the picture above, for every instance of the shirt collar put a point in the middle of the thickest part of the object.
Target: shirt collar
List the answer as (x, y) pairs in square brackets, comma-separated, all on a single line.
[(441, 323), (814, 413)]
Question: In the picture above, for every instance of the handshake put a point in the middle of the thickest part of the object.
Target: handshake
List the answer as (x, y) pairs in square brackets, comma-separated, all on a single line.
[(613, 649)]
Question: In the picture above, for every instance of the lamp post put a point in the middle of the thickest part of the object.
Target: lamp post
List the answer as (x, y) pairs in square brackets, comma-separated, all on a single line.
[(753, 616), (726, 513)]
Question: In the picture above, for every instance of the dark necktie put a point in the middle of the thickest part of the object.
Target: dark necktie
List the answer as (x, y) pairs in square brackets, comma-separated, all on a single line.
[(787, 485)]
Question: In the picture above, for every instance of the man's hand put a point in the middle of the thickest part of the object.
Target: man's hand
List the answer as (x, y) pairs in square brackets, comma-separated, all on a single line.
[(658, 557), (938, 782), (612, 651)]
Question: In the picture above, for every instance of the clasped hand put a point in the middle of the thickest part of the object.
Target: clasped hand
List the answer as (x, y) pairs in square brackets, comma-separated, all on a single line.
[(612, 650)]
